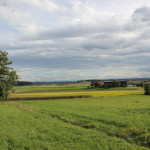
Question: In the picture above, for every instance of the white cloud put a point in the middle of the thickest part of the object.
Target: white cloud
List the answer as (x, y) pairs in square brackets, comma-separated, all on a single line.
[(18, 20), (47, 5)]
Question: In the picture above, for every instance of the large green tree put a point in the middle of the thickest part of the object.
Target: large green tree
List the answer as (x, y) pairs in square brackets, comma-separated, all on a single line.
[(7, 76)]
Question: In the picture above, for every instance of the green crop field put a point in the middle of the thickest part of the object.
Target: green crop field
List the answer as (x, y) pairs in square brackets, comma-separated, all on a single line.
[(113, 119), (65, 88)]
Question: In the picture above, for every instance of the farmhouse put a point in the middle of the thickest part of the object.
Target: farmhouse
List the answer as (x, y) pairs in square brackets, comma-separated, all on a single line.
[(101, 84)]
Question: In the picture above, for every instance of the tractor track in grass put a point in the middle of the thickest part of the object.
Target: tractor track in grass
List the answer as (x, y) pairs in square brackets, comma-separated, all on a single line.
[(91, 126), (19, 106)]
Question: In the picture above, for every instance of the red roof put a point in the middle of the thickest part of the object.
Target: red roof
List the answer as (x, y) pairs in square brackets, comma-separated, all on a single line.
[(101, 83)]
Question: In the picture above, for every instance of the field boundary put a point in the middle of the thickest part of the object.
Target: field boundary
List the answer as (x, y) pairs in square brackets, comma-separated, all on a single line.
[(48, 98)]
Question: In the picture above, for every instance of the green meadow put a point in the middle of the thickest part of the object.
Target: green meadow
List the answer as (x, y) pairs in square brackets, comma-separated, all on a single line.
[(108, 122), (76, 87)]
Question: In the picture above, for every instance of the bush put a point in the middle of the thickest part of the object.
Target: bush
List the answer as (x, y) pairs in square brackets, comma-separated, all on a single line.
[(48, 98), (147, 89)]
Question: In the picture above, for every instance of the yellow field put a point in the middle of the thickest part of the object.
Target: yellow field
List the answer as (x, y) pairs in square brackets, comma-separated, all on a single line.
[(93, 94)]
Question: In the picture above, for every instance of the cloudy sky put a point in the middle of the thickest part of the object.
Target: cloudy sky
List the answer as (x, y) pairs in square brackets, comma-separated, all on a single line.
[(50, 40)]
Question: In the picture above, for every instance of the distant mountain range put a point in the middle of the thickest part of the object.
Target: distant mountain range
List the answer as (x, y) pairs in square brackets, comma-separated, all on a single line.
[(23, 83), (87, 80)]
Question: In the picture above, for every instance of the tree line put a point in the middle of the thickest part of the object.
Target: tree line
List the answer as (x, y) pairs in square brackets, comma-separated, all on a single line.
[(23, 83), (108, 84)]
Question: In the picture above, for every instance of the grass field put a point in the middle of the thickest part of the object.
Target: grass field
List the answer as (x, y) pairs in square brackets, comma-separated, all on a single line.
[(73, 89), (80, 87), (114, 120)]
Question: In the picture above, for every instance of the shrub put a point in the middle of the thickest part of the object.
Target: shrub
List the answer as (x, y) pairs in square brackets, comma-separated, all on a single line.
[(48, 98), (147, 89)]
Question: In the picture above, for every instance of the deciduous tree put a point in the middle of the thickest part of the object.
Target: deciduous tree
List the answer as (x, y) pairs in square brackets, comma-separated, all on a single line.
[(7, 76)]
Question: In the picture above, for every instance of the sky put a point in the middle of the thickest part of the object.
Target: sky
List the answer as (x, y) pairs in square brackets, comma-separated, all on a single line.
[(55, 40)]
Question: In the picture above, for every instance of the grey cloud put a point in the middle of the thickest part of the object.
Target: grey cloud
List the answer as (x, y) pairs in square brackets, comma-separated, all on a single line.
[(22, 45), (145, 69), (109, 43), (3, 3), (74, 31), (96, 60), (141, 14)]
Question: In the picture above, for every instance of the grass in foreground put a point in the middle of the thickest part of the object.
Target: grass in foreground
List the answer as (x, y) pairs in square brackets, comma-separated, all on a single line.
[(117, 123)]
